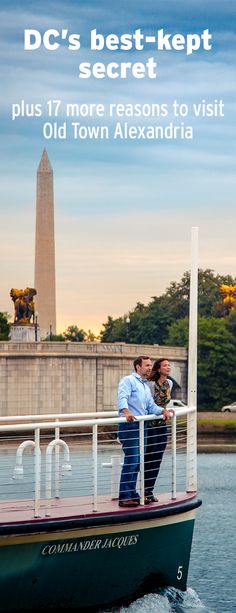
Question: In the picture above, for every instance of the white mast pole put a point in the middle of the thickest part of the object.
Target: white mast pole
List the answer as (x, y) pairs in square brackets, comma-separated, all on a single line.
[(192, 368)]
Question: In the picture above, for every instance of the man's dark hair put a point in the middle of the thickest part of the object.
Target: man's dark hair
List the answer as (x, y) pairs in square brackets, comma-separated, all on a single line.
[(138, 361)]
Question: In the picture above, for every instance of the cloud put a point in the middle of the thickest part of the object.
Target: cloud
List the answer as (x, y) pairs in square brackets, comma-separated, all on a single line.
[(123, 209)]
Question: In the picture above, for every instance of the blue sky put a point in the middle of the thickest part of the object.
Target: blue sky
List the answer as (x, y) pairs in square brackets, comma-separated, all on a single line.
[(123, 209)]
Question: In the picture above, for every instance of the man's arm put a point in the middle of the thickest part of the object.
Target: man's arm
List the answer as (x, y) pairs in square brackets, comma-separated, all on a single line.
[(128, 415), (124, 392)]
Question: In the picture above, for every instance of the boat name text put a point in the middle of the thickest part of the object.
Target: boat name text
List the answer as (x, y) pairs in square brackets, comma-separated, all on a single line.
[(90, 544)]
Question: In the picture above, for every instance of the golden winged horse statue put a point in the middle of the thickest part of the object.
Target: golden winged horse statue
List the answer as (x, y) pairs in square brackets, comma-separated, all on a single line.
[(23, 304)]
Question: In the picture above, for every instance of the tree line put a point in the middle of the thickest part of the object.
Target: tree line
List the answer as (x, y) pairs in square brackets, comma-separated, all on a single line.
[(164, 321)]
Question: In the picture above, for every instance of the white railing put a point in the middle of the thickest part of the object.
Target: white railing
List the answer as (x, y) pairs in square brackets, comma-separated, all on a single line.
[(85, 435), (66, 467), (59, 416)]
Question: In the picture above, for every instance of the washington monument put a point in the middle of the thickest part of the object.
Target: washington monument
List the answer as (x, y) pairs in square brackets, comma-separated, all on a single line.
[(45, 249)]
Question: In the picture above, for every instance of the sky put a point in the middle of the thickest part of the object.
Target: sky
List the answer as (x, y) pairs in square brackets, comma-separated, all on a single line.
[(124, 208)]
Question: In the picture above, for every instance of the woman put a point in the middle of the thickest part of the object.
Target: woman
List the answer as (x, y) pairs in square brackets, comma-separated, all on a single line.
[(161, 388)]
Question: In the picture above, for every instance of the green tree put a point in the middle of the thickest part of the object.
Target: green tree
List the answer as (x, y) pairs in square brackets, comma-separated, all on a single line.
[(230, 323), (217, 363), (90, 337), (177, 334), (210, 302), (56, 338), (149, 324), (74, 334), (216, 359), (4, 326), (114, 330)]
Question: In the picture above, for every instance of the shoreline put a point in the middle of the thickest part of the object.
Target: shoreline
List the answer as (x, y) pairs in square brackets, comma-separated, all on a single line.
[(216, 448), (216, 432)]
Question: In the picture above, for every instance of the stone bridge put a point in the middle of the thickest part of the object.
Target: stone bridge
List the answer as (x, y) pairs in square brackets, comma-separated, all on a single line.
[(69, 377)]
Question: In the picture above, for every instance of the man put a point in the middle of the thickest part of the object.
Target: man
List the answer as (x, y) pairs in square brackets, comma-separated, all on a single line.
[(134, 399)]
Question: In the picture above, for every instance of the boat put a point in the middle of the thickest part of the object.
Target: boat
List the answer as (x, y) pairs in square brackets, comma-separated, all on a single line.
[(64, 541), (76, 548)]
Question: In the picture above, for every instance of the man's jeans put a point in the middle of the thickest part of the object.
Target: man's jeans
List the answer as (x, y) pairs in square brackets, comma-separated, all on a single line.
[(129, 438)]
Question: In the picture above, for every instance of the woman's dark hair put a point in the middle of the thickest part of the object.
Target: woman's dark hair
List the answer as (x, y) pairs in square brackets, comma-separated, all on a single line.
[(155, 374)]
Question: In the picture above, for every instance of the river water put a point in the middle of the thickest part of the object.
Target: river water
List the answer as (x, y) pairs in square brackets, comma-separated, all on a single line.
[(212, 571)]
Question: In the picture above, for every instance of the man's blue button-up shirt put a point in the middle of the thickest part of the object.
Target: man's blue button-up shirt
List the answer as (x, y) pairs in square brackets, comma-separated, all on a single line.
[(134, 394)]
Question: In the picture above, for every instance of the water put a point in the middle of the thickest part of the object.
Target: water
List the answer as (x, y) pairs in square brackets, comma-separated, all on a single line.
[(212, 571)]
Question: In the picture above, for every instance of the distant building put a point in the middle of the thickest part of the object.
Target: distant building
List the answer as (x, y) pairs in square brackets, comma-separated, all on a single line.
[(45, 283)]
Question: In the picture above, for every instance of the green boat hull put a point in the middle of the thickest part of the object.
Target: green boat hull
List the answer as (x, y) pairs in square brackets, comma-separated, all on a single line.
[(92, 566)]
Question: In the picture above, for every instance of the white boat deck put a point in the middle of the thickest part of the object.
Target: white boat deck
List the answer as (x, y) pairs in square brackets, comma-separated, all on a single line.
[(42, 480), (18, 511)]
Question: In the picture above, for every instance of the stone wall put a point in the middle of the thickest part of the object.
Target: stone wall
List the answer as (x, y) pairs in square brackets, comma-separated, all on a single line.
[(37, 378)]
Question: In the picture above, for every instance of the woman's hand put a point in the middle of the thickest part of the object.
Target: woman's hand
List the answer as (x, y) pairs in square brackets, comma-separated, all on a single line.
[(167, 413)]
